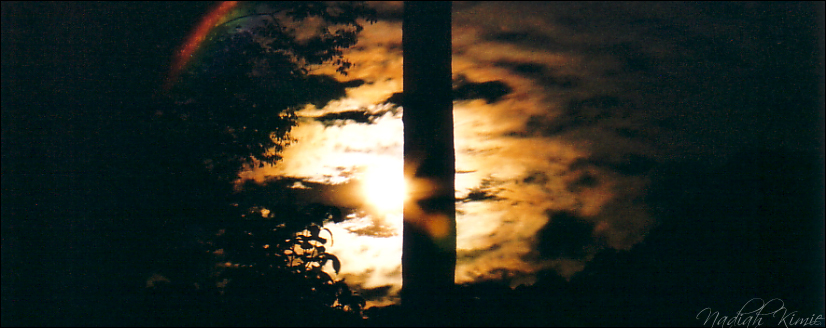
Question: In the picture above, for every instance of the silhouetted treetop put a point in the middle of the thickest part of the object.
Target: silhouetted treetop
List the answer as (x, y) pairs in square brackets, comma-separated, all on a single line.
[(235, 100)]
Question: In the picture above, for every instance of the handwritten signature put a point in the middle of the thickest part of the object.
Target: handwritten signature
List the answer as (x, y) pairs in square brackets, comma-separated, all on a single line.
[(755, 310)]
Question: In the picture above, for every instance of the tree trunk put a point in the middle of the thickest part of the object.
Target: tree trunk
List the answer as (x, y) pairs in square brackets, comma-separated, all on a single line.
[(429, 251)]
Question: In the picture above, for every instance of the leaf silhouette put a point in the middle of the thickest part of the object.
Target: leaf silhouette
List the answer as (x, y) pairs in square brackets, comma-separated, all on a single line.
[(336, 262)]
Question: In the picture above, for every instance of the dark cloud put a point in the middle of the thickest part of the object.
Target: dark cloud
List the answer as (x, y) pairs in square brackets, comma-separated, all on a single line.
[(397, 98), (324, 88), (490, 91), (388, 10), (579, 113), (562, 81), (747, 227), (586, 180), (356, 116), (536, 177), (471, 255), (527, 68), (564, 236), (288, 194), (529, 39), (603, 102), (488, 189), (547, 76), (626, 164)]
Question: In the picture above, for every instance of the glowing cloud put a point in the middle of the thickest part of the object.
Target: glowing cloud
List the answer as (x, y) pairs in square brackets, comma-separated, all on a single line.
[(569, 136)]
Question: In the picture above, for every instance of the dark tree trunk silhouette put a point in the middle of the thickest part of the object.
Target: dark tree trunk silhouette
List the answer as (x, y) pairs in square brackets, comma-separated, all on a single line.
[(429, 251)]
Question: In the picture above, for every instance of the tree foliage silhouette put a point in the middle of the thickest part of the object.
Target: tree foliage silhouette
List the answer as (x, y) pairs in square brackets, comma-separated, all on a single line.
[(231, 108), (243, 89)]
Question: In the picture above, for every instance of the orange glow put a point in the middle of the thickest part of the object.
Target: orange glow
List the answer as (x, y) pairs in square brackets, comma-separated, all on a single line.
[(196, 39), (526, 176), (436, 225)]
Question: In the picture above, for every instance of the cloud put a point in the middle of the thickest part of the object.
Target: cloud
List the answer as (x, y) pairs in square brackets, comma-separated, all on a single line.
[(354, 116), (491, 91), (564, 236), (563, 114)]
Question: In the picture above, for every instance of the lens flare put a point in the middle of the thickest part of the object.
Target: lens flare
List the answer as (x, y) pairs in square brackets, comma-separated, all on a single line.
[(196, 39)]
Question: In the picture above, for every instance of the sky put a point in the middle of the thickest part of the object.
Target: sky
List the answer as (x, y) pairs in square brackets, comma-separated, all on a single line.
[(565, 114), (624, 148)]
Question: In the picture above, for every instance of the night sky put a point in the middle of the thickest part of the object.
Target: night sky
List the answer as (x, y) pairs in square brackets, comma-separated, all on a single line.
[(617, 163)]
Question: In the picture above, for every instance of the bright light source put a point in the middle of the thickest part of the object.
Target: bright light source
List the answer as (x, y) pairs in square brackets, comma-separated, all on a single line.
[(384, 187)]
